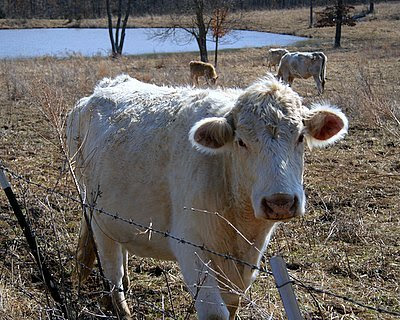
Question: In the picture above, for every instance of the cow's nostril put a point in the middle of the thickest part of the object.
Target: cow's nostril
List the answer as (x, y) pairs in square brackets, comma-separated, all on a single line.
[(295, 204), (264, 206), (280, 206)]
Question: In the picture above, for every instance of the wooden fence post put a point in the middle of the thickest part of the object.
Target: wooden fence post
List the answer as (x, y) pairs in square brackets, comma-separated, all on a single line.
[(285, 288)]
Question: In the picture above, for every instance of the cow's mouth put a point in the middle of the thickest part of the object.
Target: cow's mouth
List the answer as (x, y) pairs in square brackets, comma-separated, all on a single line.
[(280, 207)]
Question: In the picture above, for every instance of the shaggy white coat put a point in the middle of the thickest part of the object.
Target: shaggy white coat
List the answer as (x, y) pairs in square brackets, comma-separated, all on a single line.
[(153, 151)]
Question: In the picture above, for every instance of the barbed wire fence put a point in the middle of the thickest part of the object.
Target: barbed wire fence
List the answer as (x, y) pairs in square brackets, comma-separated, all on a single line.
[(60, 313)]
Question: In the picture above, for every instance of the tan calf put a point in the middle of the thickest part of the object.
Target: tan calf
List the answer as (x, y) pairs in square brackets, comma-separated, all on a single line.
[(202, 69)]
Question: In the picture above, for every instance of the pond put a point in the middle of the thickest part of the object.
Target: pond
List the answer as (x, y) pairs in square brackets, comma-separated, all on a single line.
[(28, 43)]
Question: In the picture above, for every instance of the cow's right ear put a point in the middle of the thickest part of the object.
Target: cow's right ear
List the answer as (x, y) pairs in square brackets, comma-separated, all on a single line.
[(324, 125), (211, 135)]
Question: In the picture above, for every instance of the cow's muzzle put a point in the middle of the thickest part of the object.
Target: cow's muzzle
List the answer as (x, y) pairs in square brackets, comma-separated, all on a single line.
[(280, 206)]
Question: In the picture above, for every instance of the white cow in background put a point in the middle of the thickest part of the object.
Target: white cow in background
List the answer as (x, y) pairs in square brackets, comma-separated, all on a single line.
[(304, 65), (274, 56), (153, 151)]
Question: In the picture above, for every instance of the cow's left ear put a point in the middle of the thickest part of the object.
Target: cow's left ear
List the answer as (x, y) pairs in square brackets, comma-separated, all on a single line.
[(324, 125), (211, 135)]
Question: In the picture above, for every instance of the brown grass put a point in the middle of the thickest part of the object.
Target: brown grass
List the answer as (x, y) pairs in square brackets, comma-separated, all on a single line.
[(348, 241)]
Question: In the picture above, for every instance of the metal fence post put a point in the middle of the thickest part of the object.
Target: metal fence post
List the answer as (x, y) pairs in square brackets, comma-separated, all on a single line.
[(285, 288), (31, 239)]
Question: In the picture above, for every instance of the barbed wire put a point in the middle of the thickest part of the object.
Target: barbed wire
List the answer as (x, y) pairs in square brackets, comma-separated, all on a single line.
[(142, 226), (121, 289), (317, 290), (198, 246), (58, 315)]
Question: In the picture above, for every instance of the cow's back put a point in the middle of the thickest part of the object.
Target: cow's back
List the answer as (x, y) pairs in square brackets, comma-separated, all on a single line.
[(123, 116), (304, 64), (297, 64)]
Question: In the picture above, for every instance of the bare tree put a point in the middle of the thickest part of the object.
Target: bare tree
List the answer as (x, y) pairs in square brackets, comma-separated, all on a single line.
[(219, 28), (339, 20), (195, 18), (336, 15), (117, 43), (202, 28)]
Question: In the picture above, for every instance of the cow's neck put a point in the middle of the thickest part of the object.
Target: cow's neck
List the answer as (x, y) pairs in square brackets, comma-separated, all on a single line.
[(248, 237), (236, 231)]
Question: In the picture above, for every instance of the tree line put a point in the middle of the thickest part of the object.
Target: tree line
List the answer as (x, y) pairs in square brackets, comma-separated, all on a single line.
[(91, 9)]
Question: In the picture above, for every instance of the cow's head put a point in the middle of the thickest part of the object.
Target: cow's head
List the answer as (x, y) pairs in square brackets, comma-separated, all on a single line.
[(214, 79), (263, 137)]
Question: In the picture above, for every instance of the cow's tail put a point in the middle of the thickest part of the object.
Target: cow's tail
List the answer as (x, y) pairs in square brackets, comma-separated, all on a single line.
[(323, 70), (283, 64), (86, 253)]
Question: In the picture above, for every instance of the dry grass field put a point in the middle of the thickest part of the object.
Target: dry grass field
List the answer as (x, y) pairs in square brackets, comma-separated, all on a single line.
[(347, 243)]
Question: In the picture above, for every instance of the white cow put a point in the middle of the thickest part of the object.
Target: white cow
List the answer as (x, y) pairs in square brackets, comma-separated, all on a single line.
[(153, 151), (304, 65), (274, 56)]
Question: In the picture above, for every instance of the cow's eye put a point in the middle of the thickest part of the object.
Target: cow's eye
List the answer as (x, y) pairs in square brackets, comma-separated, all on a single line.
[(241, 143), (301, 138)]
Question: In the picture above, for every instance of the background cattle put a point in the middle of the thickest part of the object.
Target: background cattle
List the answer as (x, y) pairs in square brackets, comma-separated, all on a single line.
[(304, 65), (153, 151), (202, 69), (274, 56)]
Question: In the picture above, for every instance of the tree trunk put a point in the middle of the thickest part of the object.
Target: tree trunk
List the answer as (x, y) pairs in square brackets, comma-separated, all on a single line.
[(371, 7), (202, 35), (110, 27), (339, 16), (216, 51), (203, 49), (118, 44), (311, 14), (118, 24), (124, 23), (33, 11)]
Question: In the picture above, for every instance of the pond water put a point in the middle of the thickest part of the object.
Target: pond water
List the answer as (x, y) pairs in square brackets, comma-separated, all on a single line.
[(27, 43)]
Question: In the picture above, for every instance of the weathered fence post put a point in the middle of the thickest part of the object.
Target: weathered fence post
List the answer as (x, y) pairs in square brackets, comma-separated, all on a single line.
[(285, 288), (31, 239)]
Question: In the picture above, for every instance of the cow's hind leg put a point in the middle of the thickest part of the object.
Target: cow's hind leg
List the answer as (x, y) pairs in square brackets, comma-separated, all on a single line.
[(318, 82), (113, 263), (86, 254), (192, 79)]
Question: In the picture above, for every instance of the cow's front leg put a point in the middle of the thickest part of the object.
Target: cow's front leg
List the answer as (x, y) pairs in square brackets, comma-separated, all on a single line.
[(202, 283), (125, 278), (232, 302), (112, 261)]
